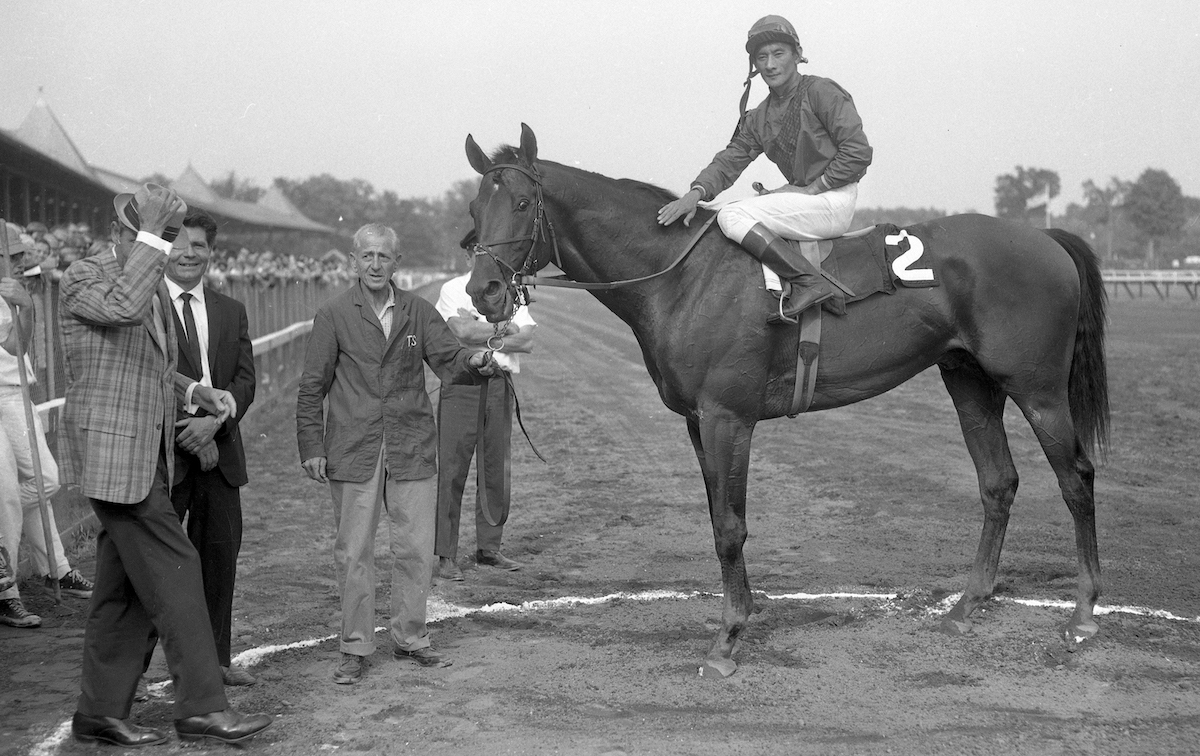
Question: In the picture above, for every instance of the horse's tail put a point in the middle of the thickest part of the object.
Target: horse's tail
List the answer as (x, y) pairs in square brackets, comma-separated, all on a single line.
[(1087, 389)]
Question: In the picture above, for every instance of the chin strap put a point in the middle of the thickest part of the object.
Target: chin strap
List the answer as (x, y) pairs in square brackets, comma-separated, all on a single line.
[(745, 94), (750, 77)]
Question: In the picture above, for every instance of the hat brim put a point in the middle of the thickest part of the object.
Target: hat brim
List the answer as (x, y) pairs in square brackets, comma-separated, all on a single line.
[(127, 211), (16, 246)]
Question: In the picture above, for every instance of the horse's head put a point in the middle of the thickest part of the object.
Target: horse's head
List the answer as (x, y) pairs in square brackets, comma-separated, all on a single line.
[(510, 220)]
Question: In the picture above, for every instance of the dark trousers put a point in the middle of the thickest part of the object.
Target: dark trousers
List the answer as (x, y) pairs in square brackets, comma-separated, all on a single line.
[(214, 526), (147, 578), (458, 423)]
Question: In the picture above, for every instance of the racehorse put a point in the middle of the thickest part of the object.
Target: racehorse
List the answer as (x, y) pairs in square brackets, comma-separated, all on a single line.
[(1019, 314)]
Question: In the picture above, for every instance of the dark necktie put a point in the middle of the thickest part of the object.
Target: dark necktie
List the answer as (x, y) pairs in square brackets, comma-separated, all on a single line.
[(193, 338)]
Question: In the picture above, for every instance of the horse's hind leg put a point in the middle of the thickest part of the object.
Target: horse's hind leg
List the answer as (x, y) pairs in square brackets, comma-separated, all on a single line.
[(979, 401), (1050, 417)]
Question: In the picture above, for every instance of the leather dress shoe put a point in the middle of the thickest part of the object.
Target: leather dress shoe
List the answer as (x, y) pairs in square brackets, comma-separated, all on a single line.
[(223, 726), (496, 559), (448, 570), (120, 732)]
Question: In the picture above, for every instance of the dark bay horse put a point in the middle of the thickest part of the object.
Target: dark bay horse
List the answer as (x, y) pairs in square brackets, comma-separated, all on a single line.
[(1019, 315)]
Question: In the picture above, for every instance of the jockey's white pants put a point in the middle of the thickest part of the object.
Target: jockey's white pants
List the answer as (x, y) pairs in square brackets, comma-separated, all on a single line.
[(792, 215)]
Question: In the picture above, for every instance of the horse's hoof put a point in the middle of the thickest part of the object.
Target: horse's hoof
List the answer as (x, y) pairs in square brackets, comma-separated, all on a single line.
[(718, 668), (954, 627), (1077, 635)]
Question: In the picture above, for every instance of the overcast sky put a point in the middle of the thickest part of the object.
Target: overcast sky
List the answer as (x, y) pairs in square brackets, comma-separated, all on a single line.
[(952, 94)]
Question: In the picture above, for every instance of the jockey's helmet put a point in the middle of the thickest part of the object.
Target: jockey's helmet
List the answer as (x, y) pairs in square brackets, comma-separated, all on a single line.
[(770, 29)]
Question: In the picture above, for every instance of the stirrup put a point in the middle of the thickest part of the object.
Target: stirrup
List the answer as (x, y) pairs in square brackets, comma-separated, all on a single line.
[(779, 316)]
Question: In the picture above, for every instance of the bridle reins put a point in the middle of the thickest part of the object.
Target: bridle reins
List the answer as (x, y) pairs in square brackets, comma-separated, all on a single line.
[(521, 278), (543, 229)]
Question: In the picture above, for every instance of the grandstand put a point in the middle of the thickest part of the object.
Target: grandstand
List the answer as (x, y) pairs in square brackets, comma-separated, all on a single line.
[(45, 178)]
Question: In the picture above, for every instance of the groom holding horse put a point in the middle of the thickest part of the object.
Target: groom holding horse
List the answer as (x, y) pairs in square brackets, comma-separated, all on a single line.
[(809, 128)]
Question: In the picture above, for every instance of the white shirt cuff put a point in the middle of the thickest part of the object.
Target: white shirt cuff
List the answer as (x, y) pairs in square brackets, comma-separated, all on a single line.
[(188, 405), (145, 237)]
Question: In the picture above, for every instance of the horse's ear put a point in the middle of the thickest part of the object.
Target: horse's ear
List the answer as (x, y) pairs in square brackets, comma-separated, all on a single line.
[(476, 157), (528, 144)]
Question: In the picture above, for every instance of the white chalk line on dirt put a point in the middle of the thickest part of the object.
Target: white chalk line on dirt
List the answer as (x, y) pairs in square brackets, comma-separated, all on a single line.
[(439, 609)]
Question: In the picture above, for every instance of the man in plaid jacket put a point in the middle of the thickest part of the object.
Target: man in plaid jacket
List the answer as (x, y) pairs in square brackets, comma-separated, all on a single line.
[(119, 346)]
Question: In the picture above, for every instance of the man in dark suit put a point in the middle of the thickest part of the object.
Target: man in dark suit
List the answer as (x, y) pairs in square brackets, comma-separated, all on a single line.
[(123, 391), (215, 349)]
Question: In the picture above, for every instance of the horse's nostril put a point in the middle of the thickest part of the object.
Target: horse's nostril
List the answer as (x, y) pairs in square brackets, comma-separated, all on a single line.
[(492, 290)]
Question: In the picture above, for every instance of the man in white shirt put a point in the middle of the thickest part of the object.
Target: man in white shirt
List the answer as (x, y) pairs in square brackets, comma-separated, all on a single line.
[(458, 431), (214, 349)]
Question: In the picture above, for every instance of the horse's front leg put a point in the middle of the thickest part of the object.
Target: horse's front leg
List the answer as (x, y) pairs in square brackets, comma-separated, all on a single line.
[(722, 441)]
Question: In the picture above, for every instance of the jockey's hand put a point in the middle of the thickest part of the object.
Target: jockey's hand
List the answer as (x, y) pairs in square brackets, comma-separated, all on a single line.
[(315, 467), (684, 207), (813, 188)]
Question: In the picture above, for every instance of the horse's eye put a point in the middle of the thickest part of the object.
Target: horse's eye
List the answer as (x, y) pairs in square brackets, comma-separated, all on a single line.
[(523, 205)]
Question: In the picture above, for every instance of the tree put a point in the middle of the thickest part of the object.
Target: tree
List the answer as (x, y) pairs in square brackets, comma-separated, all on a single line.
[(231, 187), (1155, 205), (1104, 205), (454, 210), (1013, 191), (344, 205)]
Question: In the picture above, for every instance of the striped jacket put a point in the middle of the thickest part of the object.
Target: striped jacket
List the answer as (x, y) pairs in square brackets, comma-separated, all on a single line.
[(122, 388)]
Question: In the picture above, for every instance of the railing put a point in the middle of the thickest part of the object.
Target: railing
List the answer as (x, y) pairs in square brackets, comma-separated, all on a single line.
[(279, 316), (1158, 280)]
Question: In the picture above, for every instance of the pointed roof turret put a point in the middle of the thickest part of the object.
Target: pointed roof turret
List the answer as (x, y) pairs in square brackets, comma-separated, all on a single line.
[(192, 186), (275, 199), (42, 131)]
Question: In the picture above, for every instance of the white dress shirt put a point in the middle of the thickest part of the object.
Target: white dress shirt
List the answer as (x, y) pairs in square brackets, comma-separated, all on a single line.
[(200, 313)]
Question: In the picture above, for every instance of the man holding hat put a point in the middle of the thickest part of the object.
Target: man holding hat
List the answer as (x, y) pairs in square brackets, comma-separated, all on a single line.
[(19, 497), (809, 128), (120, 348)]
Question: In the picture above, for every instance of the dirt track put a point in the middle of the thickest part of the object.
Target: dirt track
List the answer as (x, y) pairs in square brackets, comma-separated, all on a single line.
[(875, 498)]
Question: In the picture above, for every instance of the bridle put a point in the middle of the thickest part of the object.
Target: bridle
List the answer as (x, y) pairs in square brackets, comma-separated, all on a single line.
[(521, 278), (543, 230)]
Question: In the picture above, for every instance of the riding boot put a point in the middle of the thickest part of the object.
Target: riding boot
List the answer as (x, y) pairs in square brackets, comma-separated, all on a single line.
[(807, 286)]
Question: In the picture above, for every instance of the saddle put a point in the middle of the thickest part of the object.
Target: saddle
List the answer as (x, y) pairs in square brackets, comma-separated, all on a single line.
[(861, 264)]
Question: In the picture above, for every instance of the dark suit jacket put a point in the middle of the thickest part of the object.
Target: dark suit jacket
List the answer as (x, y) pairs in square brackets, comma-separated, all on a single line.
[(231, 361)]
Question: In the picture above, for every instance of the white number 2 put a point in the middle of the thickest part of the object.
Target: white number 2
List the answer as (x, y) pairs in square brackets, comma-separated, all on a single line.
[(900, 266)]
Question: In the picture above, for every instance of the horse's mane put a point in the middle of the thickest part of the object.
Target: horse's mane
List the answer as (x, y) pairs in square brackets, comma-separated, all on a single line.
[(506, 153)]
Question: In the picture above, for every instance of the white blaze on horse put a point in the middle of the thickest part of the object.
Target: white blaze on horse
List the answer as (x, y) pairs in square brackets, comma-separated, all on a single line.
[(1018, 314)]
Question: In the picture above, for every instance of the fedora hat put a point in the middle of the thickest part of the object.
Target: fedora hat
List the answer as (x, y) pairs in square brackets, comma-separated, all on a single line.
[(126, 205), (127, 211)]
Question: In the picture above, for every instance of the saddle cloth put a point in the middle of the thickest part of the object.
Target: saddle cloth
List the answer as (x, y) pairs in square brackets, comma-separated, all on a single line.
[(866, 263)]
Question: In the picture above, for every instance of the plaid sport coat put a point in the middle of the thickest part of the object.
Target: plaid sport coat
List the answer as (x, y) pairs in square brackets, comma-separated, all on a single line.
[(122, 387)]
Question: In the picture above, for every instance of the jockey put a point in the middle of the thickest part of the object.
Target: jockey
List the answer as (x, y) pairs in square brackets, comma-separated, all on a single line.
[(808, 127)]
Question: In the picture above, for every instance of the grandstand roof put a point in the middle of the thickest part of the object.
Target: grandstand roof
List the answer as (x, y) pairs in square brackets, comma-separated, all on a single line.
[(42, 132)]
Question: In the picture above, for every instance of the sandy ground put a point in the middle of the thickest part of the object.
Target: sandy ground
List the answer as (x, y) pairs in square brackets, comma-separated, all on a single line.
[(878, 499)]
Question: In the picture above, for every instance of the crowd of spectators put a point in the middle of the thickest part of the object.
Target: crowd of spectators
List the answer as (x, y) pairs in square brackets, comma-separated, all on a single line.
[(55, 249)]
